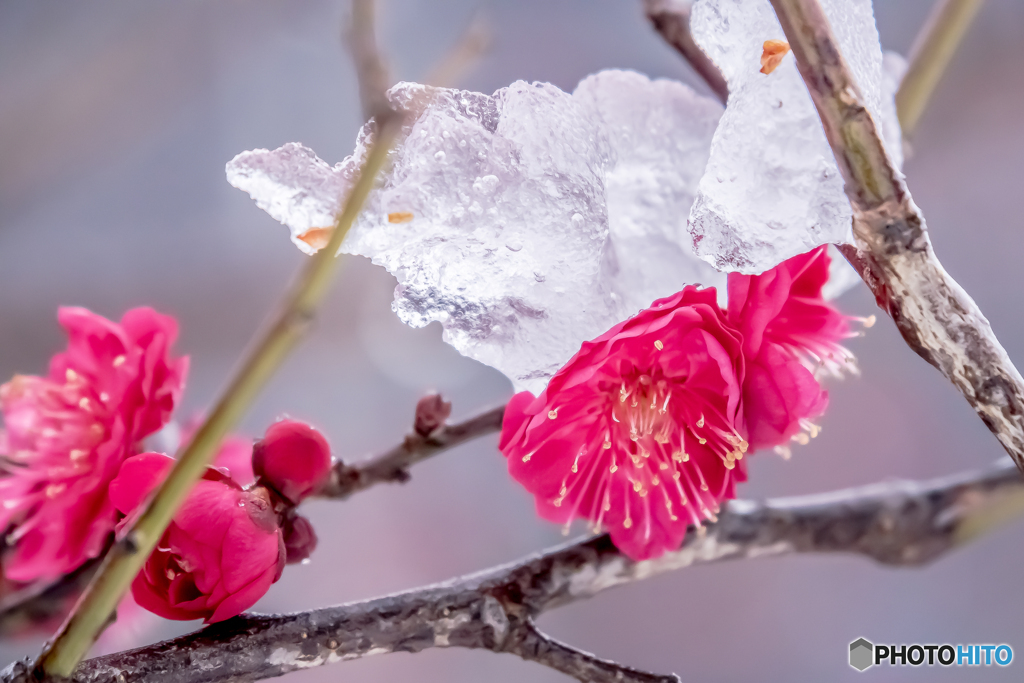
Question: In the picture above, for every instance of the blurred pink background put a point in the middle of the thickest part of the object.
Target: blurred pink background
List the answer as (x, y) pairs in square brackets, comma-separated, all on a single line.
[(116, 119)]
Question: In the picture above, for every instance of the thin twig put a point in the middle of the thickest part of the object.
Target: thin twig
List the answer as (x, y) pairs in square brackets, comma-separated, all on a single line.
[(534, 645), (671, 18), (473, 43), (392, 466), (893, 253), (50, 601), (124, 560), (370, 68), (901, 524), (931, 53)]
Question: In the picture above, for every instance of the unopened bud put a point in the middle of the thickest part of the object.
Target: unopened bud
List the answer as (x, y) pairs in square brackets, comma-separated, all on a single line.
[(431, 413), (293, 458)]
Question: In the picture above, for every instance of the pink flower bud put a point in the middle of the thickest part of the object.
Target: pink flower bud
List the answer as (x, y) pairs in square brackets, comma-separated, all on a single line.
[(431, 413), (293, 458), (219, 555)]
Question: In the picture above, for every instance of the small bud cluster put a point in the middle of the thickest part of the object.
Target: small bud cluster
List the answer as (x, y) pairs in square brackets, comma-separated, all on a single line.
[(227, 543), (293, 461)]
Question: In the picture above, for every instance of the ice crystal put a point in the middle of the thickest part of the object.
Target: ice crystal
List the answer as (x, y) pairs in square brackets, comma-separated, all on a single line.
[(525, 222), (531, 220), (771, 189)]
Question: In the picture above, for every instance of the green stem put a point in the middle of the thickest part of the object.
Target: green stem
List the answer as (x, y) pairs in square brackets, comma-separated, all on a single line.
[(120, 566), (933, 49)]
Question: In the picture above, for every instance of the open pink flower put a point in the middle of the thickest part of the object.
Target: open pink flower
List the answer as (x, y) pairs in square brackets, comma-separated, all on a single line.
[(787, 328), (219, 555), (638, 431), (68, 433)]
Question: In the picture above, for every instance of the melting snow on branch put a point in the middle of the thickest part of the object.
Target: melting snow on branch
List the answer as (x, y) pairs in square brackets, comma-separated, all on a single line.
[(772, 189), (525, 222), (531, 220)]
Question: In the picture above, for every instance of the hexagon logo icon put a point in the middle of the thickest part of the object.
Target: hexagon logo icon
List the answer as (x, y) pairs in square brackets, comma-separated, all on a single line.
[(861, 654)]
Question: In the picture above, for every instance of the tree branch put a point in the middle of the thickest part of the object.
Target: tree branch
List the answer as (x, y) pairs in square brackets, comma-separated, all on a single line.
[(459, 58), (392, 466), (372, 73), (895, 523), (535, 646), (671, 18), (893, 253), (930, 55)]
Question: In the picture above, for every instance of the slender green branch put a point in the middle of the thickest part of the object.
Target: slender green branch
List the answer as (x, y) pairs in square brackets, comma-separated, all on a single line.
[(126, 558), (370, 66), (932, 51)]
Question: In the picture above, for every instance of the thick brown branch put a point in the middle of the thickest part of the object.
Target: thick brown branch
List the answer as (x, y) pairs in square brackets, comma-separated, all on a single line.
[(671, 18), (392, 466), (895, 523), (936, 317)]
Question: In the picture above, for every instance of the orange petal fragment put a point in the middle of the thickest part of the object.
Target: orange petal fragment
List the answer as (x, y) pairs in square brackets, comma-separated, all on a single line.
[(400, 217), (317, 237), (774, 51)]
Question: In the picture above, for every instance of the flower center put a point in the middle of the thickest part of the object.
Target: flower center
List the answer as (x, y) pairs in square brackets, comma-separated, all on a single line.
[(642, 443), (642, 409), (52, 421)]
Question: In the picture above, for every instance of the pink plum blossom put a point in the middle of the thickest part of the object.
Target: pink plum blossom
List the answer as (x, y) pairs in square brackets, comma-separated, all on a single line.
[(639, 432), (219, 555), (788, 329), (67, 434)]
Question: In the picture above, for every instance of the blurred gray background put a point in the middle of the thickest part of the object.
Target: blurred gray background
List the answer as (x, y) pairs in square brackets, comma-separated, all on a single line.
[(116, 119)]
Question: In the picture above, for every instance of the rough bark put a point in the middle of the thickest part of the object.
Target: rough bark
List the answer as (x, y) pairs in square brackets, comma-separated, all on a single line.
[(893, 253), (901, 524)]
